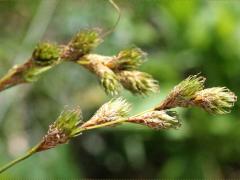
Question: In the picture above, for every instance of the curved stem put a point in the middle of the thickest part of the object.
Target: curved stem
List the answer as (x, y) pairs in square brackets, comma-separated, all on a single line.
[(118, 18), (12, 163)]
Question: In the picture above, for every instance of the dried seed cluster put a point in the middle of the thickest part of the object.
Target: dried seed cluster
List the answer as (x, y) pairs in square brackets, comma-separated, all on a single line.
[(63, 129), (217, 100), (111, 111), (157, 119)]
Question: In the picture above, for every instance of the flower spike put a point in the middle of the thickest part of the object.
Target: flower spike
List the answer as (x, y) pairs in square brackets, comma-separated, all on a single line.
[(216, 100)]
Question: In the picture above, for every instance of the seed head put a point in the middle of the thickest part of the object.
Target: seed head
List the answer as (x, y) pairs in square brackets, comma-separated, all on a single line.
[(182, 94), (115, 109), (157, 119), (108, 78), (83, 43), (63, 129), (138, 82), (217, 100), (45, 54), (110, 83), (188, 87), (128, 59)]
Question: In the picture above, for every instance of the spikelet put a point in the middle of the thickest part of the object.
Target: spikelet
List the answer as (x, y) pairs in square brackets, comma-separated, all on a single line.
[(157, 119), (138, 82), (216, 100), (45, 54), (63, 129), (115, 109), (82, 43), (128, 59), (182, 94)]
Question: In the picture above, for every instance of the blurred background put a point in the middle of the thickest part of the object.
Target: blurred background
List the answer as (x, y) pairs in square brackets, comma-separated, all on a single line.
[(181, 38)]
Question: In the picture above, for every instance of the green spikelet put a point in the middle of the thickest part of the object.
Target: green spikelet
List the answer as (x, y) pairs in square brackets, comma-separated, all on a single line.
[(128, 59), (83, 43), (183, 93), (62, 130), (45, 54), (44, 57)]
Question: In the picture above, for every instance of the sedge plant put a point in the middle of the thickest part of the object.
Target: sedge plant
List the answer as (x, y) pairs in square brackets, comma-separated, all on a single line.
[(114, 73)]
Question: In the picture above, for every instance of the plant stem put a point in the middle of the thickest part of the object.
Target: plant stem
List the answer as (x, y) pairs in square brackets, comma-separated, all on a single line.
[(81, 129), (12, 163), (10, 79), (118, 18), (14, 76)]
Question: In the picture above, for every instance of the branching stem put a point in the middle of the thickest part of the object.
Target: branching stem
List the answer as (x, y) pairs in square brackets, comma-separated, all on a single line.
[(35, 149)]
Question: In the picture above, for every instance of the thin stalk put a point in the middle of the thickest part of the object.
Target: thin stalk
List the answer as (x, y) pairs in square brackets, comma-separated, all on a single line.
[(35, 149), (117, 21), (81, 129), (14, 76), (14, 162), (10, 79)]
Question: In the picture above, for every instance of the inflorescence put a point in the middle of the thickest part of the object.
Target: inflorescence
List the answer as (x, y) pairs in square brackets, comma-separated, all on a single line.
[(114, 73), (190, 92)]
